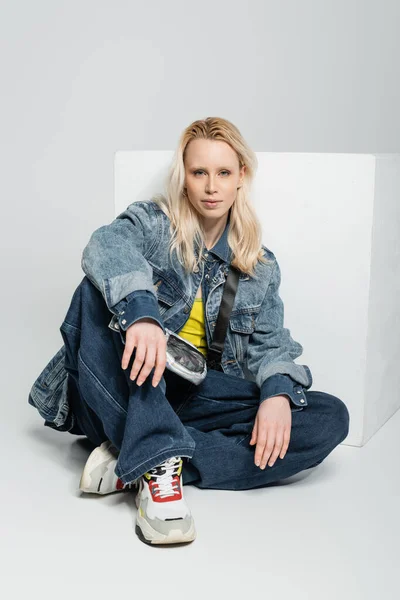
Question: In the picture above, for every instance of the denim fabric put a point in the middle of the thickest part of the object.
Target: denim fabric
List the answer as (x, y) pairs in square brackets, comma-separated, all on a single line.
[(209, 425), (128, 261)]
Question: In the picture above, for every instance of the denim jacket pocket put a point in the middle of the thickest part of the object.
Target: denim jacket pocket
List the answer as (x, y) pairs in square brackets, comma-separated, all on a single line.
[(166, 292), (241, 326)]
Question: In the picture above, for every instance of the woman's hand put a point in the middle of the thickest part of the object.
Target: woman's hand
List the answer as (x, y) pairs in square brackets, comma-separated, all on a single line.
[(151, 346), (271, 430)]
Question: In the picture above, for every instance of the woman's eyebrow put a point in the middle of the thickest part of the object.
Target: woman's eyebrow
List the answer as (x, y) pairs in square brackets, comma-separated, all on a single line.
[(205, 169)]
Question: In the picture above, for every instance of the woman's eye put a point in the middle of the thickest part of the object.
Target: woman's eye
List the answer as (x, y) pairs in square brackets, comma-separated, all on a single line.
[(224, 171)]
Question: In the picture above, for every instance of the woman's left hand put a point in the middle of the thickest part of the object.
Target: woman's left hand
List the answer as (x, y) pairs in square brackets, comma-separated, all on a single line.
[(271, 430)]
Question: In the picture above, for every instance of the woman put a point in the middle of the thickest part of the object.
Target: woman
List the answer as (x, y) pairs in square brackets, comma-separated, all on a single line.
[(162, 263)]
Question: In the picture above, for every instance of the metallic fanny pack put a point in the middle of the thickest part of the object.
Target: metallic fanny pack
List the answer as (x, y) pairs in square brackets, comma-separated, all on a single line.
[(184, 359)]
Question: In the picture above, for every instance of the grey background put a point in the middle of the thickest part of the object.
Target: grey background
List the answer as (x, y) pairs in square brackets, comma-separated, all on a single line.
[(82, 80)]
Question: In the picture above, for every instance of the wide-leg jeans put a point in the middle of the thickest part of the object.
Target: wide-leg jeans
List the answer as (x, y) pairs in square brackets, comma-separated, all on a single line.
[(209, 425)]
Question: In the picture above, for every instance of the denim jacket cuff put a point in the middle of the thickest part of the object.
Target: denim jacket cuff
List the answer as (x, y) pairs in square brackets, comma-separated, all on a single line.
[(280, 384), (138, 305)]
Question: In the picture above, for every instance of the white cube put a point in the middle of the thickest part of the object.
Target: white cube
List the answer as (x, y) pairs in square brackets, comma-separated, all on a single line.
[(333, 223)]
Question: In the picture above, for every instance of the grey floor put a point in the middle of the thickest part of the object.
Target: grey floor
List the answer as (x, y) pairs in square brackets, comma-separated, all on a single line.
[(329, 532)]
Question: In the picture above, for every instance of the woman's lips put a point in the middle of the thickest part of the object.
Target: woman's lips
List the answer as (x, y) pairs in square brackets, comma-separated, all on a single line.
[(211, 203)]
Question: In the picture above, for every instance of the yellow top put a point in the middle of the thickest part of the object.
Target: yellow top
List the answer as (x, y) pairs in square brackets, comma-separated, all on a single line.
[(193, 330)]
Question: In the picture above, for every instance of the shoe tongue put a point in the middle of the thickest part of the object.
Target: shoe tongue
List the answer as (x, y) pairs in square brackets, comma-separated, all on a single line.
[(162, 469), (158, 471)]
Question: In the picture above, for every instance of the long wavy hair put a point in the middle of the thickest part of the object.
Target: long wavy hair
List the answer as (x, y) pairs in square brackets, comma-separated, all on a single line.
[(244, 236)]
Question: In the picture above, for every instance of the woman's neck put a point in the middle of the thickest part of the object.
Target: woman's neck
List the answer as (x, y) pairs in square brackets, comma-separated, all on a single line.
[(213, 233)]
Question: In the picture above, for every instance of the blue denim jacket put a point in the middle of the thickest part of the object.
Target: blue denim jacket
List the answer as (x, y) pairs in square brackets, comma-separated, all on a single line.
[(129, 263)]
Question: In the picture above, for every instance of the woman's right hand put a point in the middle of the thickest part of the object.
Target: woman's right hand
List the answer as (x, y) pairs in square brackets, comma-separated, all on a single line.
[(150, 342)]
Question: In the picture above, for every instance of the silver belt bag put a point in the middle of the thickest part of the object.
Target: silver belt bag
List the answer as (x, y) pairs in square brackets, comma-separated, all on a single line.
[(184, 359)]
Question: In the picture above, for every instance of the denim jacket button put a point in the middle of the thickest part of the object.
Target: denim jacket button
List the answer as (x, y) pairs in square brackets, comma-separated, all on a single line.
[(186, 310), (302, 401), (123, 321)]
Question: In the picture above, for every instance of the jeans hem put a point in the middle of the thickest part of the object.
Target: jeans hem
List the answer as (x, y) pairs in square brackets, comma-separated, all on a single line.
[(140, 470)]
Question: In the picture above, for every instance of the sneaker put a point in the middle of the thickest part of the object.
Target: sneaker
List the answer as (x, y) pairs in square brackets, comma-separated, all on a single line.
[(163, 517), (98, 475)]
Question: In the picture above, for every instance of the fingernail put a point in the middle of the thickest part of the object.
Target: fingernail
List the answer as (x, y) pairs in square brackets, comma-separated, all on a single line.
[(257, 463), (271, 464)]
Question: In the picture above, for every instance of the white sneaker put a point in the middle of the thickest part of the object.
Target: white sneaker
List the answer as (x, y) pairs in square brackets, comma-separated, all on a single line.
[(98, 475), (163, 517)]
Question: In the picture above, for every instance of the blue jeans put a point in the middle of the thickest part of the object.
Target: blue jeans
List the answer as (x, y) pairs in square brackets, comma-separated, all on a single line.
[(210, 425)]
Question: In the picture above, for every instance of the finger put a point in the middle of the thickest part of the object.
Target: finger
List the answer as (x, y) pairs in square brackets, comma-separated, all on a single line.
[(286, 440), (161, 361), (126, 357), (139, 359), (148, 365), (269, 446), (253, 438), (261, 441), (277, 447)]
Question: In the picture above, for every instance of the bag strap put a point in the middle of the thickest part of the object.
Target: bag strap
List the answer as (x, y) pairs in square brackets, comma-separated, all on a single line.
[(217, 345)]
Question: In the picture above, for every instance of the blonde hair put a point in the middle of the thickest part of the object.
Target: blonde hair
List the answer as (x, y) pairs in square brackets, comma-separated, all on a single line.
[(244, 236)]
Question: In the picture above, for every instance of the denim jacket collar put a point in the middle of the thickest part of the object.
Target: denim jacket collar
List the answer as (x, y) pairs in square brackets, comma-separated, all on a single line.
[(221, 248)]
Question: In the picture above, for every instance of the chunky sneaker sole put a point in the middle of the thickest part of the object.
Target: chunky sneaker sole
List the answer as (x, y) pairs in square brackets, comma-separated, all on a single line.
[(98, 475), (163, 517)]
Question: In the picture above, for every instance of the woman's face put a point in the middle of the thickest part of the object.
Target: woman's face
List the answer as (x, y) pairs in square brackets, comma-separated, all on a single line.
[(212, 173)]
